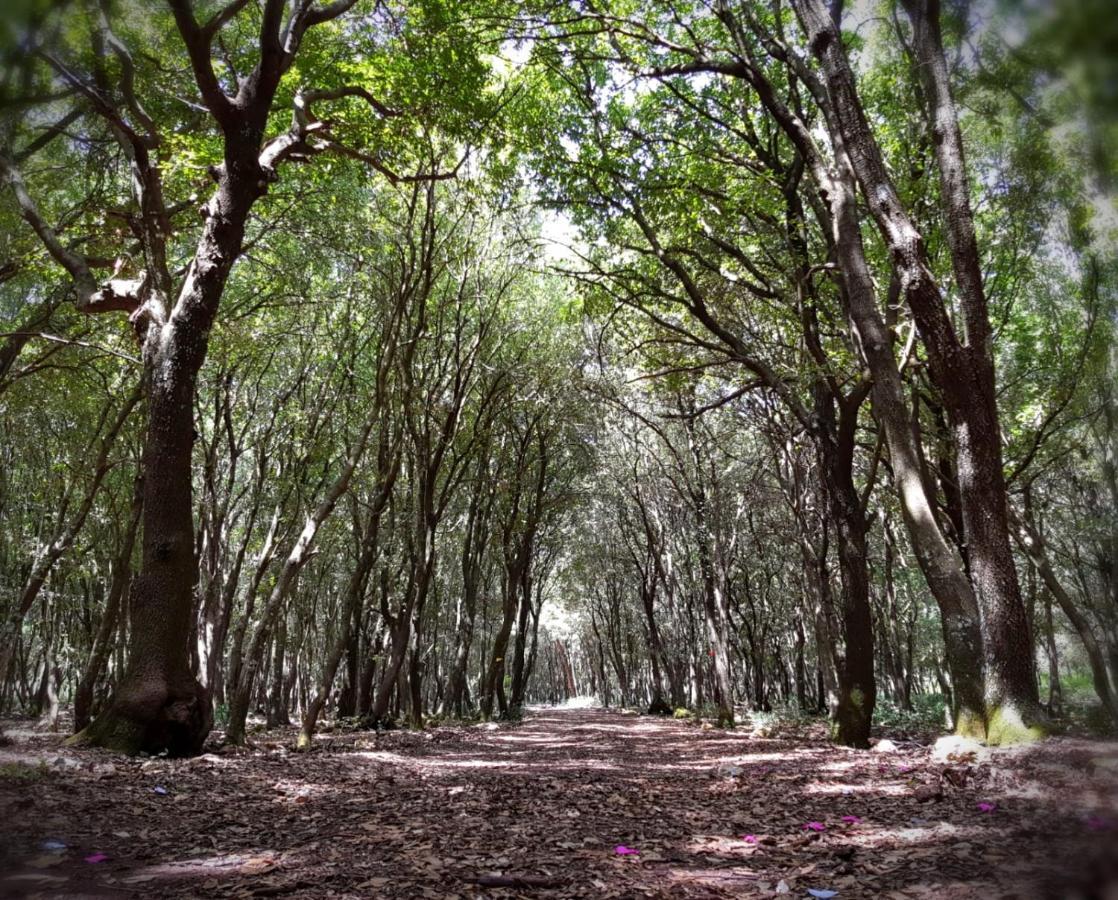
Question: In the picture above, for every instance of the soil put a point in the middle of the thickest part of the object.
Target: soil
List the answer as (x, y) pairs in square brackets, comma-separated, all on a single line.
[(553, 807)]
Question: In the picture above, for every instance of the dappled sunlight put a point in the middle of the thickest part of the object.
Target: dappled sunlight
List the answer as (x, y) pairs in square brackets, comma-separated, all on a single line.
[(730, 879), (552, 799), (895, 790), (253, 861)]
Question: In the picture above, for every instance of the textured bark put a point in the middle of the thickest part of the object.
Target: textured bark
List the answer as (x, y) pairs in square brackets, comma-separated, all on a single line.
[(962, 371), (939, 562), (857, 689), (472, 567), (492, 689), (277, 702)]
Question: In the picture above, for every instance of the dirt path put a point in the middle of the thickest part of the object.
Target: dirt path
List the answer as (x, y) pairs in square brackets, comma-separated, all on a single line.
[(460, 812)]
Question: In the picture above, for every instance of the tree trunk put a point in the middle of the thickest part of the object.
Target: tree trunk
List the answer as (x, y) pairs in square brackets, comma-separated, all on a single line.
[(962, 371), (159, 705), (857, 689), (277, 705)]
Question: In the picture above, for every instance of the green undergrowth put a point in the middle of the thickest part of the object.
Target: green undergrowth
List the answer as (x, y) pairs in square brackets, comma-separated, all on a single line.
[(928, 713), (23, 773)]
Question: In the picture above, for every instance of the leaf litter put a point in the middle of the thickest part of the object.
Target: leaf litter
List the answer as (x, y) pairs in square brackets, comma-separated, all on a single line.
[(570, 803)]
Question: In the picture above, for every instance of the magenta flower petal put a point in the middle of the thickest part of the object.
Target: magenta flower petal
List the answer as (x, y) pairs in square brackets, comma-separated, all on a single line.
[(815, 826), (749, 838), (851, 820), (96, 858), (622, 850), (987, 807)]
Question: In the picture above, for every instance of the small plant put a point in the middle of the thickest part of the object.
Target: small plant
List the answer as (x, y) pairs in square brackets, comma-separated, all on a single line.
[(928, 713), (23, 772)]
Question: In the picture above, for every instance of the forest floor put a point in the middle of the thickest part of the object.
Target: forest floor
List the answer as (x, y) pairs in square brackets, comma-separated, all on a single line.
[(569, 803)]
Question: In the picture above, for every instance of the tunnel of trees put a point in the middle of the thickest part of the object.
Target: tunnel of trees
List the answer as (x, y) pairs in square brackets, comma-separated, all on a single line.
[(378, 362)]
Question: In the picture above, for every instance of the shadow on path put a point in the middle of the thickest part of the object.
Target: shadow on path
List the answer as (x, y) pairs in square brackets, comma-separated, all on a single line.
[(539, 810)]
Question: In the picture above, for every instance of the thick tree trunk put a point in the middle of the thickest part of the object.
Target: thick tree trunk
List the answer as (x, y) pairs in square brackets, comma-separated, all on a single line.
[(962, 371), (159, 705)]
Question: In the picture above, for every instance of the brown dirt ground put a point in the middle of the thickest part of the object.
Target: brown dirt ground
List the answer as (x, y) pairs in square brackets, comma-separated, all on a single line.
[(465, 811)]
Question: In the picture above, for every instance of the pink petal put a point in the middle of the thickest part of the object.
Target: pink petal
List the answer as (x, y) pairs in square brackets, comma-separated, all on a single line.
[(96, 858), (851, 820), (815, 826), (749, 838), (622, 850), (987, 807)]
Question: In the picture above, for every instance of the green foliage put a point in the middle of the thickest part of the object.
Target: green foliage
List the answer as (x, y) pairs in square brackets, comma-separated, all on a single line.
[(23, 773), (928, 714)]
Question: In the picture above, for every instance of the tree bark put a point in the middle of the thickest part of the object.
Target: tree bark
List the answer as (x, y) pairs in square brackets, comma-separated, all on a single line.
[(963, 372)]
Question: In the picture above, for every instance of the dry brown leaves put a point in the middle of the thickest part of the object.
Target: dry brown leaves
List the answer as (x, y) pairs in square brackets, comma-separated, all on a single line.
[(538, 810)]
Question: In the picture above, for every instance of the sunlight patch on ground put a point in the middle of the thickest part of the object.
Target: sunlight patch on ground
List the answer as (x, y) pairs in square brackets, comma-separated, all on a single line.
[(890, 790), (725, 878), (943, 834), (750, 758), (582, 703), (680, 767), (838, 767), (596, 765), (719, 843), (534, 740), (254, 861), (299, 791)]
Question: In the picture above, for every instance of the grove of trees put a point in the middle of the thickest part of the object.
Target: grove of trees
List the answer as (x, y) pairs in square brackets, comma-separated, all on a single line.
[(381, 361)]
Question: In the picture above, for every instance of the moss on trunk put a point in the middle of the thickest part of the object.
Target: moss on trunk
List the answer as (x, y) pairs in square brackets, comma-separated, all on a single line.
[(970, 725), (1008, 726)]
